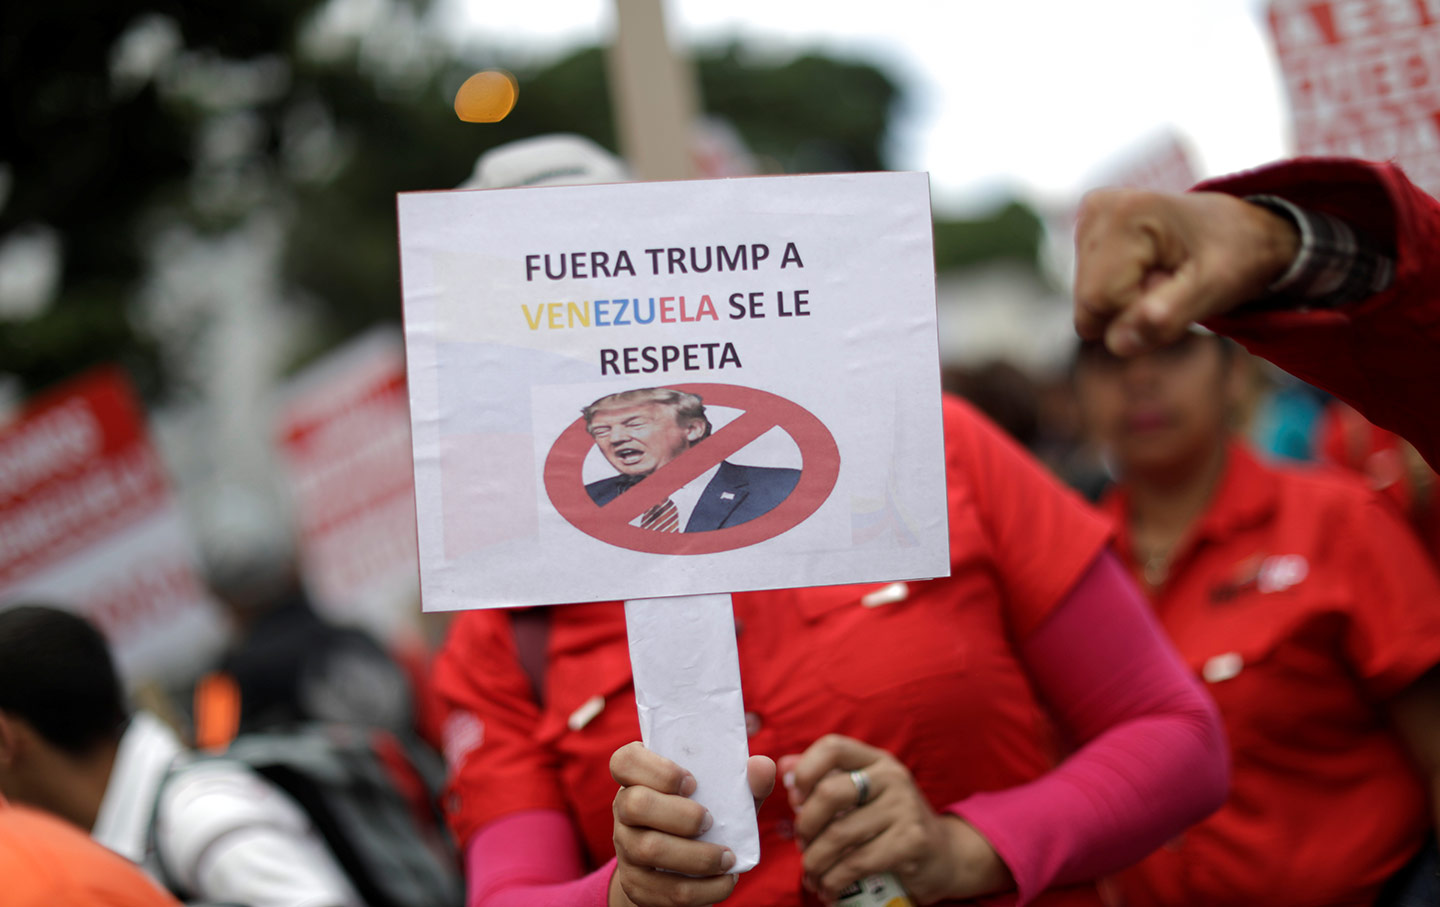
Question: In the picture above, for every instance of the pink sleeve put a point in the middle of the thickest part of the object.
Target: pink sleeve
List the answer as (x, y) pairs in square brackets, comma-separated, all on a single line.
[(1152, 758), (531, 859)]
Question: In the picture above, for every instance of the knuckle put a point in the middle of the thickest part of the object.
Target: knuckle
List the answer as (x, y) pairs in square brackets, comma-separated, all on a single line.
[(832, 790), (673, 777), (644, 849), (682, 892), (624, 807), (912, 837), (620, 762), (900, 770)]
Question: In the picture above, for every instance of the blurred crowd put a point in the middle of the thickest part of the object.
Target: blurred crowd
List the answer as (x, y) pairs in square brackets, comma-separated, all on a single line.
[(1187, 655)]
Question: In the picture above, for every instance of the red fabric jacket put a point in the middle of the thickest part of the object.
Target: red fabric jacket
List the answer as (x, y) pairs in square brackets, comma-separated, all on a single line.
[(1381, 356)]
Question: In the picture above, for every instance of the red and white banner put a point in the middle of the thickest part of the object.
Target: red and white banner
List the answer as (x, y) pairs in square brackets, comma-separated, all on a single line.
[(1363, 77), (344, 436), (88, 521)]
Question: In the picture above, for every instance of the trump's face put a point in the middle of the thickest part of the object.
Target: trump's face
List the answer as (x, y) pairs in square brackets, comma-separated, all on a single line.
[(639, 438)]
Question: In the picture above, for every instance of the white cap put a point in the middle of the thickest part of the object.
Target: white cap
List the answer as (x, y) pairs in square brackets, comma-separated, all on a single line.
[(559, 159)]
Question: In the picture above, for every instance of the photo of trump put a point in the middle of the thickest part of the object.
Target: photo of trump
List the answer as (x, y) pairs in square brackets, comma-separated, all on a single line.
[(639, 431)]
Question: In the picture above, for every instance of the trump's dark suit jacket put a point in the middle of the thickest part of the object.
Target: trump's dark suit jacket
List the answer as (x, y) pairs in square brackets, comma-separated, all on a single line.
[(737, 494)]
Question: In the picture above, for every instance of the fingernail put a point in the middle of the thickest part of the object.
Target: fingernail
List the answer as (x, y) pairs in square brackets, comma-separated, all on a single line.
[(688, 785), (727, 861), (789, 780), (707, 823)]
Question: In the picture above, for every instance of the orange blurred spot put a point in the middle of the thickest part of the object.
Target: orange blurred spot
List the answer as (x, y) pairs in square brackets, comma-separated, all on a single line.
[(217, 711), (487, 97)]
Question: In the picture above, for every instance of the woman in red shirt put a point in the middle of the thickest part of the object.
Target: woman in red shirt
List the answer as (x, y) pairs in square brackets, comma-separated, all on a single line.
[(956, 697), (1312, 614)]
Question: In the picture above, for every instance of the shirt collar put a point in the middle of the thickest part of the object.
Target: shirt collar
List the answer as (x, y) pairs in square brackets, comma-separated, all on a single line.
[(147, 749), (1245, 496)]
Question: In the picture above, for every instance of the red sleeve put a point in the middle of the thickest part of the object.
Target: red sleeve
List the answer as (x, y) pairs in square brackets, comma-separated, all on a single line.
[(496, 765), (1381, 356), (531, 859), (1152, 756), (1395, 622), (1038, 535)]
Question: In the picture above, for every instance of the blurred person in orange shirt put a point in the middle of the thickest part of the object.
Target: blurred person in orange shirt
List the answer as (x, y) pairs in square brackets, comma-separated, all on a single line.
[(47, 862), (68, 746)]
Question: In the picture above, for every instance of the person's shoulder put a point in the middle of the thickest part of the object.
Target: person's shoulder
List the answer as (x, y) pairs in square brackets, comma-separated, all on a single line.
[(764, 470), (602, 490), (1321, 484), (47, 861), (204, 797), (776, 477), (973, 441)]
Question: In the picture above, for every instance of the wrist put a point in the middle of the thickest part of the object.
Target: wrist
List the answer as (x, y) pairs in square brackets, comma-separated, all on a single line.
[(976, 867), (1276, 223), (615, 895), (1276, 238)]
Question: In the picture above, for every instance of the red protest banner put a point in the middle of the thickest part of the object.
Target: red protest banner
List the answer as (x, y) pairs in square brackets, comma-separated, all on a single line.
[(75, 467), (1363, 78), (88, 521)]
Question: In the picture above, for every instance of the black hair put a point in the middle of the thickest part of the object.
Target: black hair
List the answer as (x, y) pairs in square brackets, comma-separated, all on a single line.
[(56, 673)]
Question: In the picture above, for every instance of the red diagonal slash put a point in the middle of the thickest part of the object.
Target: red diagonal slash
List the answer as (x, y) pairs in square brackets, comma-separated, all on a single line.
[(762, 411), (687, 467)]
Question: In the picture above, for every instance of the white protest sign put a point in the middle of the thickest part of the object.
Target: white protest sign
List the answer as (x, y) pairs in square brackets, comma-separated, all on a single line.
[(1363, 77), (800, 310), (344, 438), (88, 522)]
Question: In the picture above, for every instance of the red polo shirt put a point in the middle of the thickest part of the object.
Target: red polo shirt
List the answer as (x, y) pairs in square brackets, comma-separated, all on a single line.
[(1305, 603), (928, 671)]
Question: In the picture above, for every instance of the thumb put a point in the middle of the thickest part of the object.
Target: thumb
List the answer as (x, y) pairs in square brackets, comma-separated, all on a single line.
[(760, 771)]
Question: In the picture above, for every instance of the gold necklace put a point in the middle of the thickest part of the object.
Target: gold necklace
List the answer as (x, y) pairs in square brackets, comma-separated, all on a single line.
[(1154, 564)]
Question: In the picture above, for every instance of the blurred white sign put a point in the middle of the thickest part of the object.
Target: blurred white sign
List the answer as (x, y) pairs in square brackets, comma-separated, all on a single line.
[(344, 437)]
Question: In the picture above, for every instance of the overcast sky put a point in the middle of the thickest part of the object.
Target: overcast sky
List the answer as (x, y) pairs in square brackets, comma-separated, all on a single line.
[(1034, 95)]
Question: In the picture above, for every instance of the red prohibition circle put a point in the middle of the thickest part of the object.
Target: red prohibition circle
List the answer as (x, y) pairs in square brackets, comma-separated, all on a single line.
[(820, 467)]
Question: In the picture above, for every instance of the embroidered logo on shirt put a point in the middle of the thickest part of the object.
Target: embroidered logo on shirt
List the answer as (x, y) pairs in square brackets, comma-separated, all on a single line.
[(1275, 573), (1280, 573), (1223, 667)]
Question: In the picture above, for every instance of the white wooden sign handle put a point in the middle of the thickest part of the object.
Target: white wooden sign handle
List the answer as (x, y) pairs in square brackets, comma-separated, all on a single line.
[(687, 687)]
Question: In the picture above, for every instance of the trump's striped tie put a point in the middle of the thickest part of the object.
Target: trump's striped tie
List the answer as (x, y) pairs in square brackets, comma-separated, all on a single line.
[(663, 517)]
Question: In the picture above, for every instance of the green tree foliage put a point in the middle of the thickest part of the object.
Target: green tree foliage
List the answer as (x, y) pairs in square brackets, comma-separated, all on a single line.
[(1013, 232), (326, 140)]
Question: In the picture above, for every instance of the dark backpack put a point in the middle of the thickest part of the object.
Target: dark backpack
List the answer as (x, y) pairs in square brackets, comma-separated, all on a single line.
[(370, 794)]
